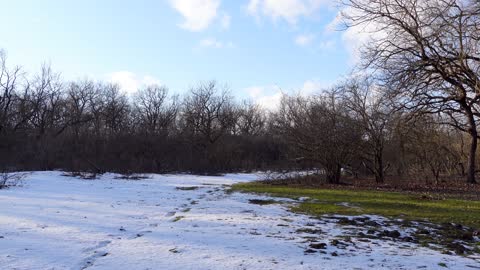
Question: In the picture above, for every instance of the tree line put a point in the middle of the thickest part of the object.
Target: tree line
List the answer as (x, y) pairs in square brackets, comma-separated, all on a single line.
[(410, 111), (46, 123)]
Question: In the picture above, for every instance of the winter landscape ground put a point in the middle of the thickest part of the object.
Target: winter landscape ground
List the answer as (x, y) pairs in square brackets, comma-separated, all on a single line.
[(51, 221)]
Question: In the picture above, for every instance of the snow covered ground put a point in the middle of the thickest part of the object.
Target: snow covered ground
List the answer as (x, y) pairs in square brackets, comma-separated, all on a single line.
[(166, 222)]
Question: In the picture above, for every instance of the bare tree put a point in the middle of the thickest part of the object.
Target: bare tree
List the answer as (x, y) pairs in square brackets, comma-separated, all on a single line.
[(209, 112), (115, 108), (431, 146), (208, 115), (428, 53), (320, 131), (79, 97), (10, 178), (9, 87), (156, 112), (371, 107), (46, 100), (251, 119)]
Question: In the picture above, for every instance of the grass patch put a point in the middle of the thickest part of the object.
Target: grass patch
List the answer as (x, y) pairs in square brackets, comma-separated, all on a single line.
[(178, 218), (388, 204), (262, 202)]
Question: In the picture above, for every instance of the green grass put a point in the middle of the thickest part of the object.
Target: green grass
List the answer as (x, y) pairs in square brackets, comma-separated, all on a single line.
[(262, 202), (178, 218), (388, 204)]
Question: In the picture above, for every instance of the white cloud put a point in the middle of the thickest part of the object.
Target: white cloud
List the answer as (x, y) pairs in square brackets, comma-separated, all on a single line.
[(225, 21), (197, 14), (211, 43), (304, 39), (216, 44), (269, 97), (311, 87), (355, 37), (270, 102), (129, 81), (254, 91), (149, 80), (327, 45), (335, 25), (288, 10), (253, 6)]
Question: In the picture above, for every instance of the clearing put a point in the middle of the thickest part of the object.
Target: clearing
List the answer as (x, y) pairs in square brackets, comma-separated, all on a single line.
[(51, 221)]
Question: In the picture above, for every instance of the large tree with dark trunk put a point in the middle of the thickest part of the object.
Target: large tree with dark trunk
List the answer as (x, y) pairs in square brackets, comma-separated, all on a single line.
[(428, 52)]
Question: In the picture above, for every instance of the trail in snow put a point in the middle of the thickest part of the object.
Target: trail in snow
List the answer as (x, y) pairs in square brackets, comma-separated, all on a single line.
[(180, 222)]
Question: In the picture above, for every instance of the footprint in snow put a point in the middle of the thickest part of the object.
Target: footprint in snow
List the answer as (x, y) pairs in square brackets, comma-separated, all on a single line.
[(89, 261), (101, 244), (139, 234), (170, 214), (139, 217)]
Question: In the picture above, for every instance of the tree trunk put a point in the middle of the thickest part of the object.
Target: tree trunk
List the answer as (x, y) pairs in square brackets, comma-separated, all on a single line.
[(379, 168), (473, 146), (334, 174), (472, 157)]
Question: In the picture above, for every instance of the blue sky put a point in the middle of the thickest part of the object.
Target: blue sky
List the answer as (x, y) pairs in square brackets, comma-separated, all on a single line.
[(255, 46)]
